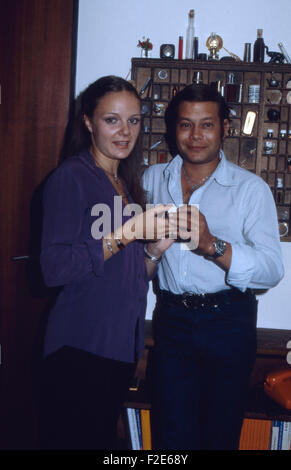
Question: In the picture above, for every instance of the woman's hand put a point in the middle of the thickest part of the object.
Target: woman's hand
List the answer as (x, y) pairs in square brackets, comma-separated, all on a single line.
[(160, 246), (152, 224)]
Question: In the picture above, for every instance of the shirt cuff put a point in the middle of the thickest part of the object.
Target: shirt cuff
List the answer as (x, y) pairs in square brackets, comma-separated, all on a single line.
[(242, 257), (95, 249)]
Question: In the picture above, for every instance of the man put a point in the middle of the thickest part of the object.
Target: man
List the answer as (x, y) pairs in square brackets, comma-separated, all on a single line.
[(205, 318)]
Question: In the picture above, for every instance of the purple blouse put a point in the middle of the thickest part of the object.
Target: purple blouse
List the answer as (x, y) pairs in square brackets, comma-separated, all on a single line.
[(101, 306)]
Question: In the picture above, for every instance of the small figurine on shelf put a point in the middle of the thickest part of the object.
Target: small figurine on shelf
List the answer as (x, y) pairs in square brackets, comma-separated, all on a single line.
[(214, 43), (276, 57), (145, 46)]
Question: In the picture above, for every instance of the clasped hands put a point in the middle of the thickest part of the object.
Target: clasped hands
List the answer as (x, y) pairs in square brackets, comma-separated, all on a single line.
[(185, 224)]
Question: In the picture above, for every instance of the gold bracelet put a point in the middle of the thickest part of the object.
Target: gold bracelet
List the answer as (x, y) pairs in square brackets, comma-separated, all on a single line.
[(109, 245)]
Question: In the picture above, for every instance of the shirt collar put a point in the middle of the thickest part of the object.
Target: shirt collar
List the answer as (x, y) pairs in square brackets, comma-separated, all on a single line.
[(223, 173), (87, 158)]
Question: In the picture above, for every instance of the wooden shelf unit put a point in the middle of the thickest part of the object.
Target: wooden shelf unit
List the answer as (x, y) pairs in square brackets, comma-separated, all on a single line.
[(271, 355), (248, 151)]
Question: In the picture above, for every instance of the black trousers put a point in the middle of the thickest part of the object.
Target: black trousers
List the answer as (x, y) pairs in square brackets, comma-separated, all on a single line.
[(203, 358), (80, 397)]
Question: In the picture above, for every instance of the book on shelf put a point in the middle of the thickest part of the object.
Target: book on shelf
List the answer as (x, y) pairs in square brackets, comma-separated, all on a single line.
[(255, 434), (146, 429), (281, 435), (276, 435), (286, 437), (132, 423), (139, 429), (138, 423)]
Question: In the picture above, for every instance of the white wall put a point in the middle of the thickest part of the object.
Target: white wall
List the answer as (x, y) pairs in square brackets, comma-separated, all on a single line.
[(108, 34), (275, 305), (110, 29)]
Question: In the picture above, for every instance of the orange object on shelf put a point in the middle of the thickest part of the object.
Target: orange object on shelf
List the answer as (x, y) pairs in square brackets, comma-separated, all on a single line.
[(277, 386)]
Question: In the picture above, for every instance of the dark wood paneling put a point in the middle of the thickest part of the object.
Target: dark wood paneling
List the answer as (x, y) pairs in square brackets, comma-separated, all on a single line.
[(36, 77)]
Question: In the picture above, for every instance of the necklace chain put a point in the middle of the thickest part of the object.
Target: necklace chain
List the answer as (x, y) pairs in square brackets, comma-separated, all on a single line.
[(115, 177), (195, 185), (117, 180)]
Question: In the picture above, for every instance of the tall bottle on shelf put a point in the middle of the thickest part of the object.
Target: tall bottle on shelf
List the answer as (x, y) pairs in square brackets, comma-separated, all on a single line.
[(190, 36), (259, 47)]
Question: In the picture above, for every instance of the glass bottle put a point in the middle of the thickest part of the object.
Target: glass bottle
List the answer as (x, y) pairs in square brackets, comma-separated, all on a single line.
[(195, 48), (279, 190), (284, 52), (283, 133), (190, 35), (231, 89), (180, 49), (259, 47), (174, 91)]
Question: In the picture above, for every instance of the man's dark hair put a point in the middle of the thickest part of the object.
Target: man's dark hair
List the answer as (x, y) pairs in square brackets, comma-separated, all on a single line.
[(192, 93)]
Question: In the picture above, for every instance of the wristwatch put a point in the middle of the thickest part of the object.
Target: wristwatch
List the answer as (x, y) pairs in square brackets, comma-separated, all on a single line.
[(220, 247)]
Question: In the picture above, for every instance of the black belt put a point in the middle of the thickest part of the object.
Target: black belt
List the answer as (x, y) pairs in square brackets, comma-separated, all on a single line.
[(203, 300)]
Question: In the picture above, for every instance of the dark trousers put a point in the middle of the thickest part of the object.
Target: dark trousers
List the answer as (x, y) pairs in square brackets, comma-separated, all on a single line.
[(203, 358), (80, 397)]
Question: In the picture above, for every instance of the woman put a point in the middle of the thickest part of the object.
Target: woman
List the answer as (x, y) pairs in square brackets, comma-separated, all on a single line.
[(95, 330)]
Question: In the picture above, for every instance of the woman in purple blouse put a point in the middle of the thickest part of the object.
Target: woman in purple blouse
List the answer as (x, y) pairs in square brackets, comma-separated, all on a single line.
[(95, 251)]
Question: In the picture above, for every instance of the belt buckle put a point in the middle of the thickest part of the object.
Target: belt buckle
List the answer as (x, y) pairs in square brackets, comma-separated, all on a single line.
[(185, 301), (203, 300)]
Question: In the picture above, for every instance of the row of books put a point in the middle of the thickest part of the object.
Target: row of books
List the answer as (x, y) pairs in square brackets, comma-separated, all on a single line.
[(265, 434), (139, 428), (256, 434)]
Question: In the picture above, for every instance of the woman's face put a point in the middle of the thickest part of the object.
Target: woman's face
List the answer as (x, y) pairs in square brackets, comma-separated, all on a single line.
[(115, 125)]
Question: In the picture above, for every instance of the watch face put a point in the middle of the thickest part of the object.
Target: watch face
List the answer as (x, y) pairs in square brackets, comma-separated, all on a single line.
[(167, 51), (220, 247)]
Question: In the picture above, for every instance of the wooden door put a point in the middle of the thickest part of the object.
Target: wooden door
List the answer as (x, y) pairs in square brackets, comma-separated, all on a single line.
[(37, 64)]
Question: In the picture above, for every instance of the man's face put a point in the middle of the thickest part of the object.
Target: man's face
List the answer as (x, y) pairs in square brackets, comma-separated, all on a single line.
[(198, 131)]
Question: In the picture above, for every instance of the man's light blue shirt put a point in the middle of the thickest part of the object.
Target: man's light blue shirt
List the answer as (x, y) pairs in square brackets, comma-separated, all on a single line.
[(240, 209)]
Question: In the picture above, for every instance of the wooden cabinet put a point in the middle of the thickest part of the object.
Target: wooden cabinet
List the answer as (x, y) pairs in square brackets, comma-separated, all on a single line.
[(253, 91), (37, 85)]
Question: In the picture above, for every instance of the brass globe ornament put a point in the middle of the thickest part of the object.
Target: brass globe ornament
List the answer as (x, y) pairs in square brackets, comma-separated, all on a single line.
[(214, 43)]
